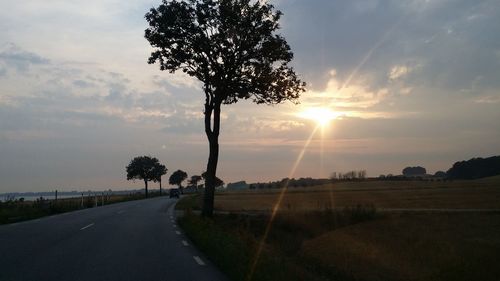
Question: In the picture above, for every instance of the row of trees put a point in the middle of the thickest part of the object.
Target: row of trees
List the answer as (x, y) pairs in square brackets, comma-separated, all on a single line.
[(149, 169), (475, 168), (361, 174), (287, 182)]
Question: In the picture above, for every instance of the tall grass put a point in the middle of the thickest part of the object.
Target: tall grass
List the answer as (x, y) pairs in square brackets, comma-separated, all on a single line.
[(231, 240)]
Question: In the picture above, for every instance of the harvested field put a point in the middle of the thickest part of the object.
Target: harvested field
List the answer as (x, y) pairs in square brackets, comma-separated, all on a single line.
[(479, 194)]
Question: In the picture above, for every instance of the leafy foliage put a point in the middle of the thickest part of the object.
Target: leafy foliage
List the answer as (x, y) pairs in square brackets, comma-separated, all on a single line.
[(177, 177), (217, 181), (414, 171), (159, 171), (475, 168), (193, 181), (143, 168), (231, 46)]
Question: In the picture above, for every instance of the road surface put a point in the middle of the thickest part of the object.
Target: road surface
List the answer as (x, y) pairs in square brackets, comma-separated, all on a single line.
[(136, 240)]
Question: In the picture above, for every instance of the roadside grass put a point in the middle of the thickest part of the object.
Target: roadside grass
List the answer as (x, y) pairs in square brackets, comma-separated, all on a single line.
[(17, 210), (190, 202), (231, 240)]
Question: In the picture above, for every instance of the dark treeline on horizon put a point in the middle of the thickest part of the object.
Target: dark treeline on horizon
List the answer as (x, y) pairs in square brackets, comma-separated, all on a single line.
[(475, 168)]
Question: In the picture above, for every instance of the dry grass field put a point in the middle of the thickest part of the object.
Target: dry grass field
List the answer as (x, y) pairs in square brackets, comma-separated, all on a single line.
[(478, 194), (412, 247), (318, 235)]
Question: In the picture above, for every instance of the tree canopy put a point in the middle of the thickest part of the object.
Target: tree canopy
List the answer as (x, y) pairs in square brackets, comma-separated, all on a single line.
[(218, 181), (475, 168), (194, 180), (159, 171), (177, 178), (414, 171), (143, 168), (232, 47)]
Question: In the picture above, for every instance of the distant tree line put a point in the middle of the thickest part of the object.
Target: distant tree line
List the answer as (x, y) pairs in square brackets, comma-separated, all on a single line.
[(286, 182), (351, 175), (149, 169), (475, 168)]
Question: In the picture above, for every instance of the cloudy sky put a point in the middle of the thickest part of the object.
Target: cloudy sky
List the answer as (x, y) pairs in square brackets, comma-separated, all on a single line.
[(413, 82)]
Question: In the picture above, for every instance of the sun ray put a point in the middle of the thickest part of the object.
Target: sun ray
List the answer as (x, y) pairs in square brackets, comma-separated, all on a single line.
[(278, 203), (367, 57)]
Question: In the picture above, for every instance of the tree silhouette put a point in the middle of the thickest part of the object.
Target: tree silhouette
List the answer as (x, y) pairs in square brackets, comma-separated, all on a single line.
[(177, 178), (231, 46), (142, 168), (217, 181), (159, 171), (414, 171), (475, 168), (194, 180)]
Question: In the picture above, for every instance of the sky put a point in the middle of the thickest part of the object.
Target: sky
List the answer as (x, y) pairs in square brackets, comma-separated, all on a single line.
[(407, 83)]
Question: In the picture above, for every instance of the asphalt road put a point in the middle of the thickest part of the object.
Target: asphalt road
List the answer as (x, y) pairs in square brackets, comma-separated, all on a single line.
[(136, 240)]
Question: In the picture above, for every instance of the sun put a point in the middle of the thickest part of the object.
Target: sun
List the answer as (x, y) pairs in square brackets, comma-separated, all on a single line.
[(322, 116)]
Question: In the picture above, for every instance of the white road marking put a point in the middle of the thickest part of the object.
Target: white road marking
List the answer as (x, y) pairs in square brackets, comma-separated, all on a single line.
[(185, 243), (175, 226), (121, 212), (198, 260), (87, 226), (178, 232)]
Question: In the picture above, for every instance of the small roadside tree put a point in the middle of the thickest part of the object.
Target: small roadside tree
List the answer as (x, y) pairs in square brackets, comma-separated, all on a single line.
[(232, 47), (159, 171), (217, 182), (177, 178), (194, 180), (142, 168)]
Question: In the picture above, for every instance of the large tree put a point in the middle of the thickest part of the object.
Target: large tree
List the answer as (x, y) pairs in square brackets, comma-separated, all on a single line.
[(159, 171), (177, 178), (232, 47), (143, 168)]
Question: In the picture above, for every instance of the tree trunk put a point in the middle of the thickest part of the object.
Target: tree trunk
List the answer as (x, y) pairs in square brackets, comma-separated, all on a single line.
[(213, 140), (146, 187)]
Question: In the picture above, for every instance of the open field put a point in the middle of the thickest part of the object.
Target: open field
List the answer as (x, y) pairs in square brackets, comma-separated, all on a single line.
[(335, 233), (412, 247), (478, 194)]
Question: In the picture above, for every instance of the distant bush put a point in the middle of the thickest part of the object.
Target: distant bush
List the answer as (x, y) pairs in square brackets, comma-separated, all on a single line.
[(440, 174), (475, 168), (414, 171)]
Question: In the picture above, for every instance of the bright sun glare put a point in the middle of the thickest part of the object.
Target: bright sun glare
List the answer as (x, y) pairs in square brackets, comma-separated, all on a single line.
[(321, 115)]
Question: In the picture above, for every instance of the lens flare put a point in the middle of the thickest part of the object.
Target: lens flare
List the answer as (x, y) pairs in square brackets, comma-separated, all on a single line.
[(278, 203)]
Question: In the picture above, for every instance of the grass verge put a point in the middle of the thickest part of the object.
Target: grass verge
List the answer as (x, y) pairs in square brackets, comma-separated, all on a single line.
[(231, 240), (19, 210), (355, 243)]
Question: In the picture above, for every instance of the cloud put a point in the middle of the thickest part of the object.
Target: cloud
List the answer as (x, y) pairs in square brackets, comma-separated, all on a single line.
[(399, 71), (409, 79), (13, 57)]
